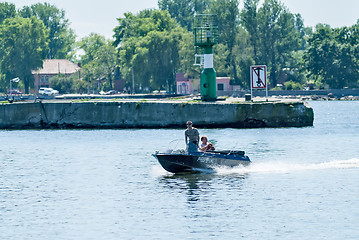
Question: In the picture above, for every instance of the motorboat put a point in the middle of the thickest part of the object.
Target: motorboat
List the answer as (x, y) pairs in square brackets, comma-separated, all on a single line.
[(179, 161)]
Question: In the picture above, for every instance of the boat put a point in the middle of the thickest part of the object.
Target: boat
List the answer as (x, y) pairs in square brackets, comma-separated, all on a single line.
[(181, 161)]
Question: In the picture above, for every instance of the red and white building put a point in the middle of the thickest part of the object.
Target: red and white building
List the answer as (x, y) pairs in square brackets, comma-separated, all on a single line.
[(184, 84), (223, 84)]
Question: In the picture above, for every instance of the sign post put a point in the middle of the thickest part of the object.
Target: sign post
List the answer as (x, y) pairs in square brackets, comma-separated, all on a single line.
[(259, 78), (13, 80)]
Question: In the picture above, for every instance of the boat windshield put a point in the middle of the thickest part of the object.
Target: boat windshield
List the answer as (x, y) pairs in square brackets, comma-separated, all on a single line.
[(177, 145)]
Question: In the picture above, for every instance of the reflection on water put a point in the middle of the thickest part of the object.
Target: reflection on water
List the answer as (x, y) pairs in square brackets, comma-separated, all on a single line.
[(197, 185), (208, 198), (190, 184)]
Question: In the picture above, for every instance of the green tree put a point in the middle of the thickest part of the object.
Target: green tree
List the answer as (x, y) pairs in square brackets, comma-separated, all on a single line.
[(227, 12), (186, 56), (90, 45), (103, 66), (220, 56), (7, 10), (249, 21), (148, 45), (244, 54), (23, 45), (279, 37), (275, 34), (184, 10), (99, 61), (333, 56), (61, 37)]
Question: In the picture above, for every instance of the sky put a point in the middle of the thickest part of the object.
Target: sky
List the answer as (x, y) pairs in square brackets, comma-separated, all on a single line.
[(91, 16)]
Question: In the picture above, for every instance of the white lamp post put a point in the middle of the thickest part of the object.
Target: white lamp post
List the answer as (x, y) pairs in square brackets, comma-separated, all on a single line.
[(13, 80)]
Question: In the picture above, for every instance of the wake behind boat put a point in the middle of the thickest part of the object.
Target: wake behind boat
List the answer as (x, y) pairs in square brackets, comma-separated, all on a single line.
[(179, 161)]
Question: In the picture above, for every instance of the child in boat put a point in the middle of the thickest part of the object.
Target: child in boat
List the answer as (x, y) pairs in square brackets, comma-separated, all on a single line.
[(205, 145)]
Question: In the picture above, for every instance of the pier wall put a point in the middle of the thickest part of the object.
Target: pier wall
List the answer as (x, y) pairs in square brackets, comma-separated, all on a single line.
[(143, 114)]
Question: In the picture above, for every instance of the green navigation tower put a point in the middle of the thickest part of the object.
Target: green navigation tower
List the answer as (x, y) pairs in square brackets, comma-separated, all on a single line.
[(205, 36)]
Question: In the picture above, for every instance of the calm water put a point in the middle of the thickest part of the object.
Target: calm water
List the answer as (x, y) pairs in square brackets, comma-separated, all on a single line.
[(104, 184)]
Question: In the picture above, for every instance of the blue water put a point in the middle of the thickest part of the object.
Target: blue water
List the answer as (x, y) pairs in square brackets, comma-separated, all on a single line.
[(104, 184)]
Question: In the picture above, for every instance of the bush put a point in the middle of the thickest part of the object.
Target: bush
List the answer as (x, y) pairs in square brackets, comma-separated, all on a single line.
[(292, 86), (277, 88), (68, 84), (80, 86)]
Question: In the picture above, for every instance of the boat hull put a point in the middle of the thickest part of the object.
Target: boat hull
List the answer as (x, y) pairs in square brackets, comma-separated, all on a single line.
[(197, 162)]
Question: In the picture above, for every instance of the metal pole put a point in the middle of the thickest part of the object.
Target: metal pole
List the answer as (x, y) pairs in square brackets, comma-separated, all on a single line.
[(10, 88), (88, 85), (133, 81), (251, 81), (13, 80)]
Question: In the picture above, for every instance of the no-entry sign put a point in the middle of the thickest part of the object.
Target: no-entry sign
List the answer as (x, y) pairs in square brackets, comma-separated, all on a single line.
[(259, 78)]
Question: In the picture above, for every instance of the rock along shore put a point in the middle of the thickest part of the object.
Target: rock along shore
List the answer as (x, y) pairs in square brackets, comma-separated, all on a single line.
[(155, 114)]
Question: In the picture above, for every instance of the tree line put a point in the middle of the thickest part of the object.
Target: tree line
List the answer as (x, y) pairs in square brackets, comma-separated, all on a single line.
[(148, 48)]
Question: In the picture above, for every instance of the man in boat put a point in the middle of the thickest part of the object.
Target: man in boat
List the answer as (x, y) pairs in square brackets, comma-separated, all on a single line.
[(191, 137)]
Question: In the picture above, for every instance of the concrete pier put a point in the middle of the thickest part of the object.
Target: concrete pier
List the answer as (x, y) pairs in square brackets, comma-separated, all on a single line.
[(154, 114)]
